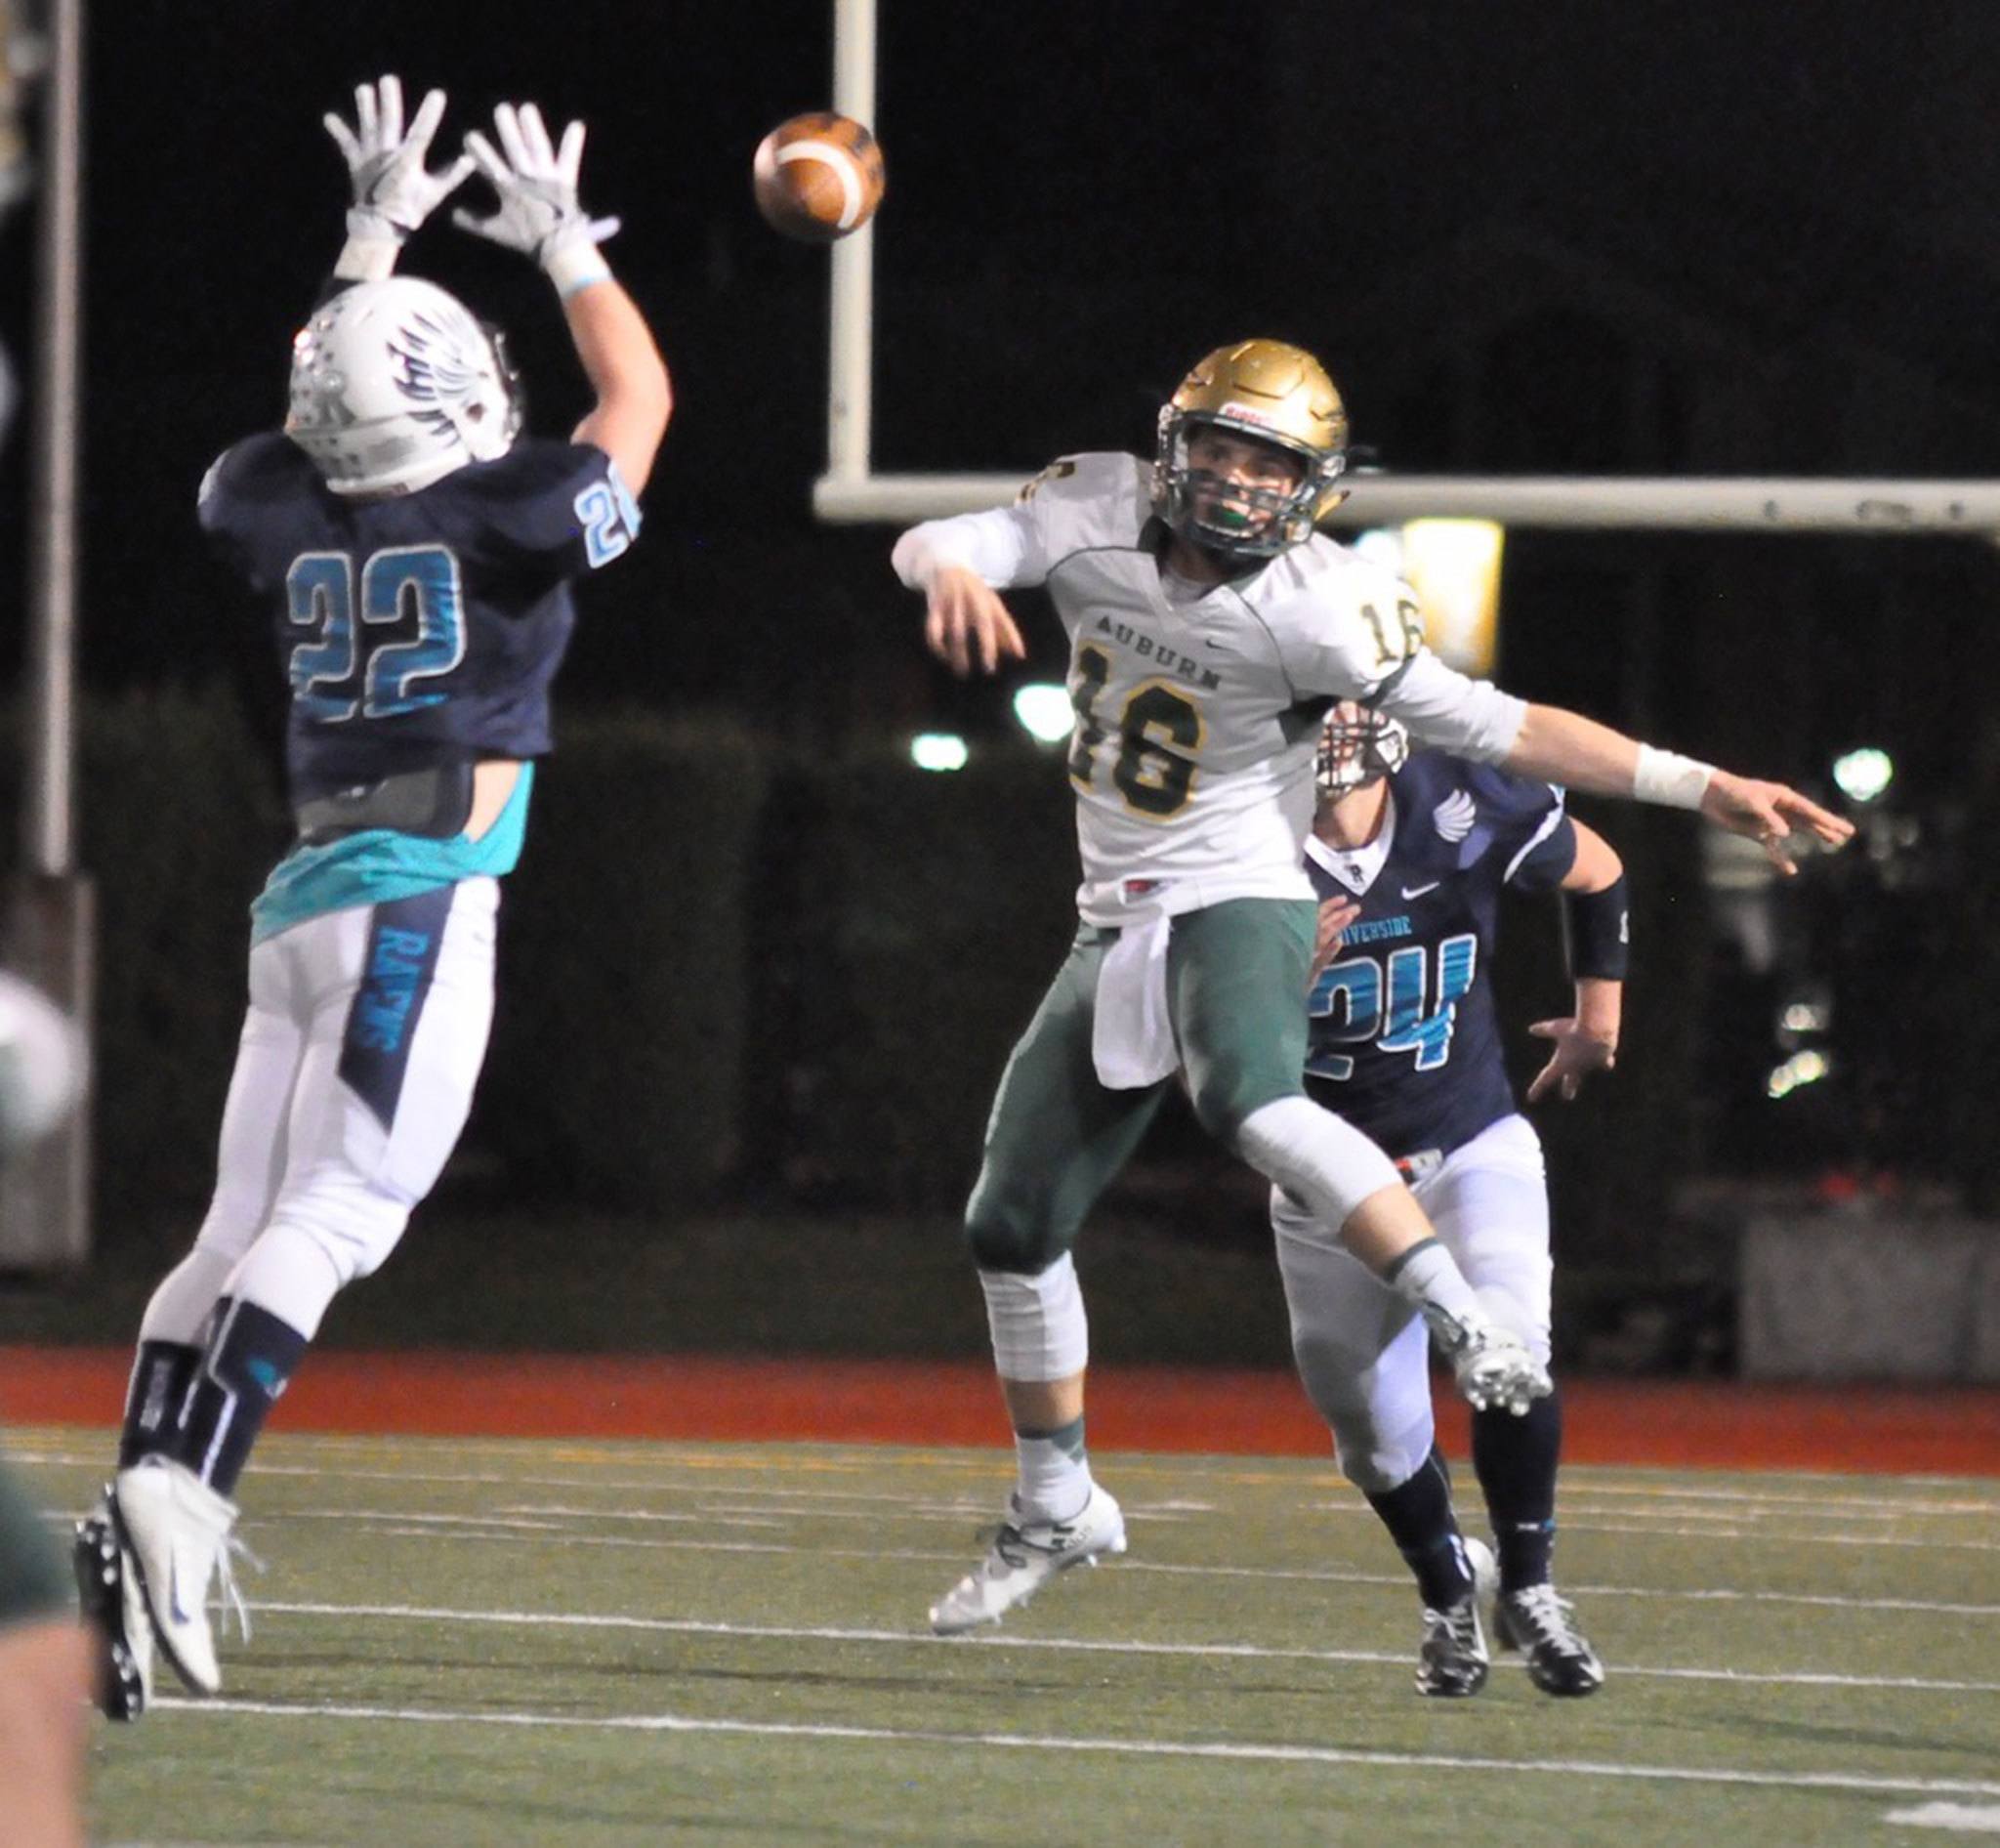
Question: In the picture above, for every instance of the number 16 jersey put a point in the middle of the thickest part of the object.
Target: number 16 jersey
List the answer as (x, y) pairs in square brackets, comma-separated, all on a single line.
[(1198, 709)]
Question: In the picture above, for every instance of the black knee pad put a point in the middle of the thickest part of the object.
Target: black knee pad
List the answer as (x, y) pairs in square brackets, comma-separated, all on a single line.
[(1011, 1234)]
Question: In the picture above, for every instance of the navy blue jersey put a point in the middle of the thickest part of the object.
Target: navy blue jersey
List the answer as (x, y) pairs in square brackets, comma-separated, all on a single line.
[(1404, 1043), (416, 629)]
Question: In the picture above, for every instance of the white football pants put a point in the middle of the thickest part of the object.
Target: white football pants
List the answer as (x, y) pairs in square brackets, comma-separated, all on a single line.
[(1364, 1352), (353, 1078)]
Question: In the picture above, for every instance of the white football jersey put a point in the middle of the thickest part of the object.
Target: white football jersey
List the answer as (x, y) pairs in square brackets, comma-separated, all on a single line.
[(1198, 711)]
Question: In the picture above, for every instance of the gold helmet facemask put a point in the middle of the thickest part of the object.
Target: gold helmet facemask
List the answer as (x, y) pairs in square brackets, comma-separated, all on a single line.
[(1273, 393)]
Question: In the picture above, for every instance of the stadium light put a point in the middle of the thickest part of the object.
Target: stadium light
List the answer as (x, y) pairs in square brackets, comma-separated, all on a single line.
[(1802, 1068), (1044, 711), (1454, 567), (938, 750), (1863, 775)]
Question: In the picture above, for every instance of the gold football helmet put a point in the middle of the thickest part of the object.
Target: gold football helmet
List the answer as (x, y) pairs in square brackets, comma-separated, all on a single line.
[(1274, 393)]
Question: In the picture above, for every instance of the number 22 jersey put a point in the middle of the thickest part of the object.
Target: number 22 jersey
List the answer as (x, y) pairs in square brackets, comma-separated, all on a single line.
[(414, 631)]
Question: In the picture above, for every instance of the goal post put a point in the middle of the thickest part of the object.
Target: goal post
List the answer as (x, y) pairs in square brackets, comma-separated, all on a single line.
[(1631, 503), (850, 494)]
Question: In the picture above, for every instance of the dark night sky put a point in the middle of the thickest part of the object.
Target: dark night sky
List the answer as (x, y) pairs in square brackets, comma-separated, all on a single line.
[(1537, 235), (1798, 203)]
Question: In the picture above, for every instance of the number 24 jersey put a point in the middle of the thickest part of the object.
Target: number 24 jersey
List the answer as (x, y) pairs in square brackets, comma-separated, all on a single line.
[(1405, 1039)]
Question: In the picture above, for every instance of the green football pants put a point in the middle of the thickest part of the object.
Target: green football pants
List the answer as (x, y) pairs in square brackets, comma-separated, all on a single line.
[(1236, 980), (33, 1584)]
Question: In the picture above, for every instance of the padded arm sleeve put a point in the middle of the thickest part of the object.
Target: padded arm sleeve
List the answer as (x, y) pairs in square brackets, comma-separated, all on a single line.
[(1004, 546), (1470, 718)]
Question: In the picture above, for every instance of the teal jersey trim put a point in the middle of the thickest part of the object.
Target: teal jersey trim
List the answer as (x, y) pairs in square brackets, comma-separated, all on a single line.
[(379, 865)]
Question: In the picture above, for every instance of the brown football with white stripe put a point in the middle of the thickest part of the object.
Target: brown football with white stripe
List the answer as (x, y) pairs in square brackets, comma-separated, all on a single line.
[(817, 177)]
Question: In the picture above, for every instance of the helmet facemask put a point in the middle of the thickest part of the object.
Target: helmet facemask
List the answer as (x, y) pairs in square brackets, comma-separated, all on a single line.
[(1265, 392), (1233, 519), (1357, 746)]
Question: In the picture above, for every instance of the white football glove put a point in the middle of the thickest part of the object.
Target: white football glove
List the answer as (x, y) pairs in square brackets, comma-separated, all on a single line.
[(392, 192), (539, 214)]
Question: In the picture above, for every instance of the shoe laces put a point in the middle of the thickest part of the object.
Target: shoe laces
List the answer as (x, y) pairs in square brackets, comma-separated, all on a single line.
[(1549, 1615), (1460, 1619), (229, 1594)]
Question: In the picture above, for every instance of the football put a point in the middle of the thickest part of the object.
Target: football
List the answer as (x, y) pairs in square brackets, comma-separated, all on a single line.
[(817, 177)]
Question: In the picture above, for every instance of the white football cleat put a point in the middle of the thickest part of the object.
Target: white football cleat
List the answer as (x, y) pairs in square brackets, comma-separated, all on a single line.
[(1543, 1627), (177, 1529), (1492, 1366), (1024, 1556), (1453, 1659), (112, 1603)]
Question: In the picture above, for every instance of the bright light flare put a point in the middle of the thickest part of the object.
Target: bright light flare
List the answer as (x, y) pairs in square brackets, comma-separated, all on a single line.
[(938, 750), (1044, 711)]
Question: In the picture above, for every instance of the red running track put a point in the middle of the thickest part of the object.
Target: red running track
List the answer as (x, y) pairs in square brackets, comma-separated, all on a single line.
[(1707, 1424)]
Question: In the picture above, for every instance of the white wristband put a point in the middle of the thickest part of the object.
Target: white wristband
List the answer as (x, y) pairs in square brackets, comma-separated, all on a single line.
[(1669, 779), (575, 267), (366, 259)]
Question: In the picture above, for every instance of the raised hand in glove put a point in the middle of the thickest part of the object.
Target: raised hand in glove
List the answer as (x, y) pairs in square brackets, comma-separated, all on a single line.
[(539, 213), (392, 192)]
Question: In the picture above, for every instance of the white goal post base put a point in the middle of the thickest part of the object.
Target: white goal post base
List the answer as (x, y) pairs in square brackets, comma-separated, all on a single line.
[(1631, 503)]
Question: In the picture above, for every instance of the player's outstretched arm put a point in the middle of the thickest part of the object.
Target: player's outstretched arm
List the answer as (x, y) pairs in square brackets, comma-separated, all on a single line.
[(392, 192), (1594, 901), (635, 395), (1565, 747), (540, 216)]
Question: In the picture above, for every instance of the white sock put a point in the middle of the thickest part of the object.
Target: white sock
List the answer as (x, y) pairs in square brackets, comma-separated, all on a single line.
[(179, 1307), (1427, 1277), (1055, 1473)]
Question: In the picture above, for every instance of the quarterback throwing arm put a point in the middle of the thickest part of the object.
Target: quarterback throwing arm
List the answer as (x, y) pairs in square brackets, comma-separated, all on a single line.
[(1335, 628)]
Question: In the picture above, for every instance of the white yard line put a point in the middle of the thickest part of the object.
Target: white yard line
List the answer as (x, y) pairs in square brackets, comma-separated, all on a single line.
[(1739, 1501), (1964, 1818), (513, 1524), (1116, 1748), (1248, 1652), (476, 1527)]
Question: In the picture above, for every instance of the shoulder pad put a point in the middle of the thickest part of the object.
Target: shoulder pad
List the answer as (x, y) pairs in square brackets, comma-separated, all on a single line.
[(262, 467), (1345, 626), (1506, 799), (1098, 500), (532, 467)]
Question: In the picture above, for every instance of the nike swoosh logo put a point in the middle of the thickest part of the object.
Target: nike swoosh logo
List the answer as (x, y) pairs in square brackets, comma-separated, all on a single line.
[(174, 1594), (1417, 892)]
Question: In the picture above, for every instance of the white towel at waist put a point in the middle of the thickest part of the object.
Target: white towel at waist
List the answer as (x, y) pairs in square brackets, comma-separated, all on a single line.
[(1132, 1037)]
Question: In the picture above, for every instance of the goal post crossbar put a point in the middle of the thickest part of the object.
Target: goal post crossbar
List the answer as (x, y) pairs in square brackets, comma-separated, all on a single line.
[(1630, 503), (852, 492)]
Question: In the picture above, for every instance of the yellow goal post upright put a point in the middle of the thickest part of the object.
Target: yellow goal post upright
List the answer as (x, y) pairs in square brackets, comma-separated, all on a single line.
[(851, 492)]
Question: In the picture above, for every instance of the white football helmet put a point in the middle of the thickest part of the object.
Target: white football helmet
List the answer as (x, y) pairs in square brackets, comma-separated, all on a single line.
[(1356, 746), (395, 384)]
